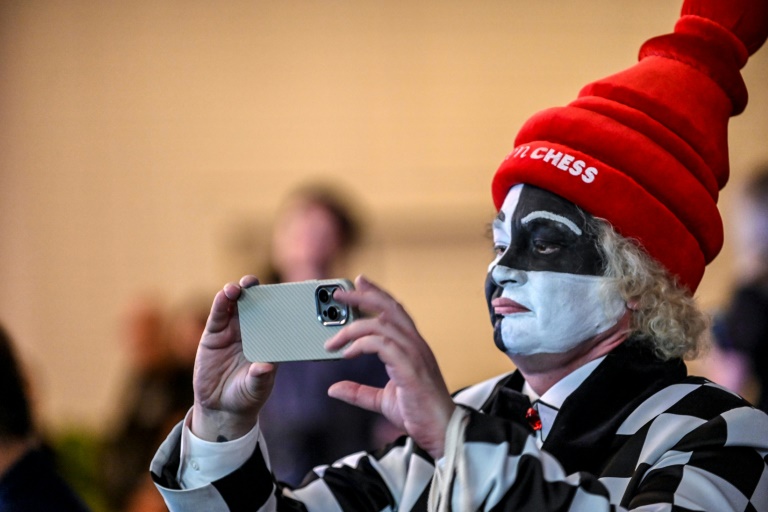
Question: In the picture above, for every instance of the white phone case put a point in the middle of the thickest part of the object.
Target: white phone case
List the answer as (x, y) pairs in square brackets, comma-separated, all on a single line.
[(288, 322)]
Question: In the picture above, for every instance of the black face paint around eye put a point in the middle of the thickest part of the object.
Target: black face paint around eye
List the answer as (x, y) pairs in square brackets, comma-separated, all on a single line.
[(548, 233)]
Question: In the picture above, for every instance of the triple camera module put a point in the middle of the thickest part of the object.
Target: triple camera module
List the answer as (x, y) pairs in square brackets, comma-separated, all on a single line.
[(329, 311)]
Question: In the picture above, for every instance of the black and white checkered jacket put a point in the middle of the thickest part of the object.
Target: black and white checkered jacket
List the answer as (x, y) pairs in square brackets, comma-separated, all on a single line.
[(638, 434)]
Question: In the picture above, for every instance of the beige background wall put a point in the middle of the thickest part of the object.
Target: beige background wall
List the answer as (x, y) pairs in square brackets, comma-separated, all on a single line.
[(145, 145)]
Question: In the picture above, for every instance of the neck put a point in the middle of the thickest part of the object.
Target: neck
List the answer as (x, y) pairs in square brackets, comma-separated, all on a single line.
[(542, 371)]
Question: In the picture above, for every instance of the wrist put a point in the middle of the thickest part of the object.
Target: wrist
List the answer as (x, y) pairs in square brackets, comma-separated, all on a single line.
[(220, 426), (436, 449)]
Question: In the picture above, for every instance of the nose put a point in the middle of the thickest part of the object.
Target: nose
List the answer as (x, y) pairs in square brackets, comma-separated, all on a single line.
[(504, 276)]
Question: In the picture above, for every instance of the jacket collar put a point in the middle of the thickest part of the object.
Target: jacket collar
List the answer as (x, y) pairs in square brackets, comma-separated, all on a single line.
[(582, 437)]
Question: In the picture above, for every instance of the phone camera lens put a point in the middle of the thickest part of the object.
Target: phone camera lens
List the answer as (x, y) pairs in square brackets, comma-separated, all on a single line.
[(323, 295), (333, 313)]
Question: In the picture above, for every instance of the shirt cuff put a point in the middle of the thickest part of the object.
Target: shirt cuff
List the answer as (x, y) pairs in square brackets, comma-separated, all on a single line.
[(204, 462)]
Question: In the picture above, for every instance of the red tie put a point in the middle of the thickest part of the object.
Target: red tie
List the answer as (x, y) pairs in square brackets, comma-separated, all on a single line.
[(532, 415)]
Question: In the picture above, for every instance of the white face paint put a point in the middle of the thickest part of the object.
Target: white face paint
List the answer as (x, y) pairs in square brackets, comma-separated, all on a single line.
[(546, 311), (563, 311)]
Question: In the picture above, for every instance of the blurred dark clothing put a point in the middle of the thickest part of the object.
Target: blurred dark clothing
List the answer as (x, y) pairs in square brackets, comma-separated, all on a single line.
[(304, 427), (743, 327), (154, 401), (33, 485)]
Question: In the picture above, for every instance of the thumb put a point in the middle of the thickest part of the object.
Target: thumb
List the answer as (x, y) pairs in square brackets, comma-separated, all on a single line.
[(260, 379), (222, 308)]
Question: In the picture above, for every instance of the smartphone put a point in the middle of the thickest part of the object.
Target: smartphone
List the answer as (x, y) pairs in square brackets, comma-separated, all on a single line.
[(292, 321)]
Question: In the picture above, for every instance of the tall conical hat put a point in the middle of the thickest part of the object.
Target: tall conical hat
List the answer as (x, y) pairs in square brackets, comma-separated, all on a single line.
[(647, 148)]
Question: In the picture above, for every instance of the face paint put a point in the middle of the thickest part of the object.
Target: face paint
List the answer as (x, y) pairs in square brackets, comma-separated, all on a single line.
[(538, 230), (544, 289)]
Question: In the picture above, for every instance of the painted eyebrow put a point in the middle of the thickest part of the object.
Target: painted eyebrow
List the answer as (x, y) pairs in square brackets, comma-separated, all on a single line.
[(498, 221), (541, 214)]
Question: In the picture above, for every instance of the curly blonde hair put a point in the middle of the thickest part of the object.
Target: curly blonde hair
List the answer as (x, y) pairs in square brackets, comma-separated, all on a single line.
[(665, 315)]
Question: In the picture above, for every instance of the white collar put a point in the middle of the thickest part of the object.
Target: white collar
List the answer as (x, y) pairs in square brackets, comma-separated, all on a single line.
[(550, 402)]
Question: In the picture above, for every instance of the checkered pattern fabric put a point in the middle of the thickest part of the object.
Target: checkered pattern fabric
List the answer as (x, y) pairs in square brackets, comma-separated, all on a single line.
[(690, 446), (638, 434)]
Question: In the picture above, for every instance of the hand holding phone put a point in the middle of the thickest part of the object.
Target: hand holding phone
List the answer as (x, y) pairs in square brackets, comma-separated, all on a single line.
[(292, 321)]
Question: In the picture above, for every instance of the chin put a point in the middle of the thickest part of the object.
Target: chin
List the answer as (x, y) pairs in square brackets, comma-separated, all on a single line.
[(541, 362)]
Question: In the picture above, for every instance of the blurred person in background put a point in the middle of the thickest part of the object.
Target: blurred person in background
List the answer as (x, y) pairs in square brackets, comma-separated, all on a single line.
[(161, 344), (740, 331), (316, 230), (145, 400), (29, 481)]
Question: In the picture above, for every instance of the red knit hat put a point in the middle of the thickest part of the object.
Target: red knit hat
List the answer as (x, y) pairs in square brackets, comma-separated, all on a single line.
[(647, 148)]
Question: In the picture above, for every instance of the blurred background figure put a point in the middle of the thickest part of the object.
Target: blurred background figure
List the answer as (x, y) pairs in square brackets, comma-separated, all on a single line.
[(740, 331), (160, 345), (149, 400), (29, 480), (313, 235), (315, 231)]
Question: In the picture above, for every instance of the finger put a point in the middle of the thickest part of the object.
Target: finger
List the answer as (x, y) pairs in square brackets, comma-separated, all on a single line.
[(407, 360), (261, 369), (364, 284), (371, 299), (223, 308), (221, 311), (395, 354), (232, 291), (260, 377), (248, 281), (353, 393), (360, 328)]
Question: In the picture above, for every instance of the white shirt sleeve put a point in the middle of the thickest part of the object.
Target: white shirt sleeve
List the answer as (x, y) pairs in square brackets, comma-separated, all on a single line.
[(203, 462)]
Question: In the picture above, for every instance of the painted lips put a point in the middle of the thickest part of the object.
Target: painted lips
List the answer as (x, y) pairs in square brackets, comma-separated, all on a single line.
[(504, 306)]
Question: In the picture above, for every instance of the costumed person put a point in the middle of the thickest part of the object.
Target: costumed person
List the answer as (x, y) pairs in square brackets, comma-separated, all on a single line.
[(606, 219), (149, 399)]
